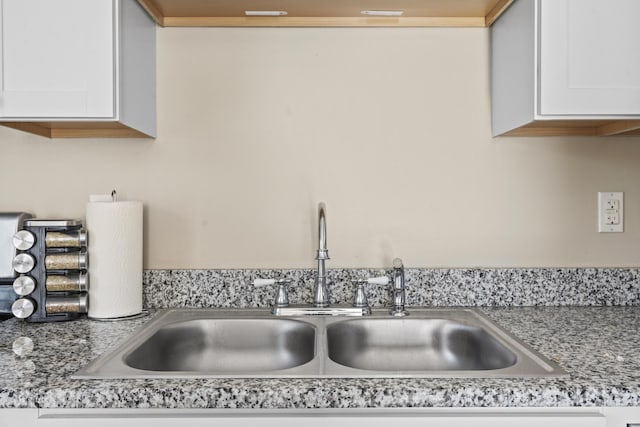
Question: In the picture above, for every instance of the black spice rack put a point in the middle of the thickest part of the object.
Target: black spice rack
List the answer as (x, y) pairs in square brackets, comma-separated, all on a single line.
[(52, 261)]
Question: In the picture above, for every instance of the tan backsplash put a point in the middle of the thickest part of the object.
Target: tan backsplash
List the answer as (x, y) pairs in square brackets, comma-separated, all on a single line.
[(389, 127)]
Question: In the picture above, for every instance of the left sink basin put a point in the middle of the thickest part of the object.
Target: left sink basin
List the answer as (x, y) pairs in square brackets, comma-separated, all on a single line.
[(226, 345), (196, 343)]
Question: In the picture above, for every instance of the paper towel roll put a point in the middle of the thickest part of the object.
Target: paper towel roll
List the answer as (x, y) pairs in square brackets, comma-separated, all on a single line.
[(115, 258)]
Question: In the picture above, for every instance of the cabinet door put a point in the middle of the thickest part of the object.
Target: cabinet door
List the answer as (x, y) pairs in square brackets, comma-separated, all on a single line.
[(57, 59), (589, 57)]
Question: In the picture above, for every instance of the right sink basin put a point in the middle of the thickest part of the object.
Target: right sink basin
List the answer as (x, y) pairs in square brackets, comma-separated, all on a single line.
[(414, 344), (431, 343)]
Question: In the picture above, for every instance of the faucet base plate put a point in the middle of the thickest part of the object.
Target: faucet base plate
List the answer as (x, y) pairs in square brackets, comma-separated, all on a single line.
[(399, 313), (305, 310)]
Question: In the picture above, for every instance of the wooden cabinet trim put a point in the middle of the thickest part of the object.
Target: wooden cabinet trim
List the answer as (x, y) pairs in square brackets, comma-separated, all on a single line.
[(431, 13), (577, 128), (77, 129)]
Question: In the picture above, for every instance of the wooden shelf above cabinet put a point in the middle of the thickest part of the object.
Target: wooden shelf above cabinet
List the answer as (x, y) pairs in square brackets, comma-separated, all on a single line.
[(325, 13), (77, 129), (577, 128)]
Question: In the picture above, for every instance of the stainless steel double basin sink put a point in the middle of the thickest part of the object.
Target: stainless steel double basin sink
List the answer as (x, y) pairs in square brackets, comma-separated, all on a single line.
[(200, 343)]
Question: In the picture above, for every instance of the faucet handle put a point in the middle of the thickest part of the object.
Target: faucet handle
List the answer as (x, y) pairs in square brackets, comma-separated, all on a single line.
[(360, 297), (382, 280), (282, 298), (258, 283)]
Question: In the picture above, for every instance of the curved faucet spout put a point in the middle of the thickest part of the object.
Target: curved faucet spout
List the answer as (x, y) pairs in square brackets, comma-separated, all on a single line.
[(321, 293), (323, 253)]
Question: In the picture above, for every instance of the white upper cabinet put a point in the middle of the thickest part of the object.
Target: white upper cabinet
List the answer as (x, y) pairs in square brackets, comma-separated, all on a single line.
[(566, 67), (77, 67), (57, 64), (590, 57)]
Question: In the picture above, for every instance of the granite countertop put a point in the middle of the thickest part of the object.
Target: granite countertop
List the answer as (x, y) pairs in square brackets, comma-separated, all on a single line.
[(598, 346)]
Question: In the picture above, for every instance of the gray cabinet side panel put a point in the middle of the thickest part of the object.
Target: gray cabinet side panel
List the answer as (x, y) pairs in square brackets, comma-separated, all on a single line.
[(513, 67), (137, 68)]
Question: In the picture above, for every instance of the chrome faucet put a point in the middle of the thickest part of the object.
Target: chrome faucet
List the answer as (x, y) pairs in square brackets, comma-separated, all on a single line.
[(320, 305), (399, 297), (320, 292)]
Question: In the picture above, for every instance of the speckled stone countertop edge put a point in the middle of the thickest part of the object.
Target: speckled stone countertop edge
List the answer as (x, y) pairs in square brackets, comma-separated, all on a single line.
[(596, 345), (582, 318)]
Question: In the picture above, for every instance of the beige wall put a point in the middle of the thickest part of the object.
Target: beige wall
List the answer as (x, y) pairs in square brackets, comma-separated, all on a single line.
[(390, 127)]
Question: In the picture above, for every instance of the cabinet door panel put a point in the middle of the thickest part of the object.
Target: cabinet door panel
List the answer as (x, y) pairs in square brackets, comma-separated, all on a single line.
[(57, 58), (589, 61)]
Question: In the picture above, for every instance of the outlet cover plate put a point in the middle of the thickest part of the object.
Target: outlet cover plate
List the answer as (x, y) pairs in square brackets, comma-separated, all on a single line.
[(610, 212)]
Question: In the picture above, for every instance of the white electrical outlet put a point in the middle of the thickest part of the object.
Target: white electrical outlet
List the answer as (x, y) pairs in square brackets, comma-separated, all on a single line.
[(611, 212)]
